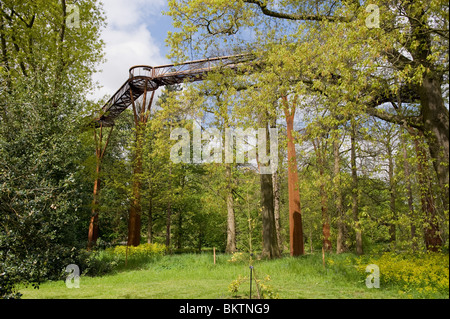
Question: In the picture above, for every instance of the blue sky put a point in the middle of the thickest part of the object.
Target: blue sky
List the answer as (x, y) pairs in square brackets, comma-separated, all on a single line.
[(134, 35)]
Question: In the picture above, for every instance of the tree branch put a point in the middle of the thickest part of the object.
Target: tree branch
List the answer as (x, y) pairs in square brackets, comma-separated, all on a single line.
[(291, 16), (412, 121)]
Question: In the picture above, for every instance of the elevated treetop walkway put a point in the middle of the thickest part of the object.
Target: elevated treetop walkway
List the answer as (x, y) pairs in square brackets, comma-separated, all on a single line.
[(144, 78)]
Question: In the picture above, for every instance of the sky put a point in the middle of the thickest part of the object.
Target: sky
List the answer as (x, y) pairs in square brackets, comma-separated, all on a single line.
[(135, 34)]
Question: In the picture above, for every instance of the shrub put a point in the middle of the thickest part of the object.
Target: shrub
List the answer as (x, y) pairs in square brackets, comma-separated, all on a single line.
[(141, 251), (423, 273), (263, 289), (239, 257)]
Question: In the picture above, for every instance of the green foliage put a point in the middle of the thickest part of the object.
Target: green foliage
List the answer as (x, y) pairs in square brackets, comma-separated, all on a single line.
[(239, 257), (339, 71), (234, 286), (43, 193), (144, 250), (262, 290), (421, 273), (195, 275)]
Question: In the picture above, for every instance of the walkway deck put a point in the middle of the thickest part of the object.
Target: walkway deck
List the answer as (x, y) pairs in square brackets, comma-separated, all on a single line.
[(144, 78)]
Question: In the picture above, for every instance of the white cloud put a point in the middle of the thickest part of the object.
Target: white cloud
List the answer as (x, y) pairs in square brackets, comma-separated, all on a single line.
[(128, 41)]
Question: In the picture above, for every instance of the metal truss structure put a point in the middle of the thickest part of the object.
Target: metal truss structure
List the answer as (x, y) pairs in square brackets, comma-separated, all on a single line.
[(144, 78)]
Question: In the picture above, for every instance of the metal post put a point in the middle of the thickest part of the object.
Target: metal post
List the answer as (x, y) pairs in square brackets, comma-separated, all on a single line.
[(251, 271)]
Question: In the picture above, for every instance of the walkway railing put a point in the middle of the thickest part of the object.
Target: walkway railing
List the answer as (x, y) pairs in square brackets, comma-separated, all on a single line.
[(147, 78)]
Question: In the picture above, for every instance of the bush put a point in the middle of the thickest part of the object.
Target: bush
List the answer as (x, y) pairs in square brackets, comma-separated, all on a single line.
[(144, 250), (239, 257), (262, 288), (424, 273)]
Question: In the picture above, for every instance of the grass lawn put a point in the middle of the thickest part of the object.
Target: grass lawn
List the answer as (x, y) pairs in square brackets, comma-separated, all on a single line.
[(194, 276)]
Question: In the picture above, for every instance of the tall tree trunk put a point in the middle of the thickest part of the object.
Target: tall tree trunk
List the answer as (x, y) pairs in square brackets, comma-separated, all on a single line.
[(180, 212), (392, 195), (180, 231), (435, 117), (433, 240), (231, 225), (150, 220), (326, 231), (93, 223), (169, 209), (412, 217), (340, 241), (276, 192), (276, 209), (141, 113), (134, 219), (200, 240), (295, 215), (355, 206), (100, 149), (5, 60), (168, 222), (270, 242)]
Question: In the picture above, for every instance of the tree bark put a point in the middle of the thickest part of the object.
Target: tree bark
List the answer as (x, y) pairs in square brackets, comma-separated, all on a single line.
[(276, 193), (392, 194), (93, 223), (93, 232), (180, 231), (292, 16), (355, 204), (436, 129), (295, 215), (433, 240), (412, 217), (169, 210), (150, 220), (340, 241), (276, 210), (231, 225), (134, 219), (141, 114), (326, 231), (270, 242)]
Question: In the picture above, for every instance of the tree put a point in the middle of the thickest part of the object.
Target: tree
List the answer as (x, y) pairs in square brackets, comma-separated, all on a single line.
[(45, 69), (320, 152), (337, 192), (100, 149), (423, 34), (433, 239), (409, 47), (141, 113), (355, 190)]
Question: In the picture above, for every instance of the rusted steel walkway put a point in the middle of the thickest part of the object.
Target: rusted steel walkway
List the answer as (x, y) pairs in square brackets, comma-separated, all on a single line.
[(144, 78)]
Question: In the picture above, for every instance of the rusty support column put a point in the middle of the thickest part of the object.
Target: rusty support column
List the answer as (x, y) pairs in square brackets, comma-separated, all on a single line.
[(295, 215), (99, 154), (140, 118)]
